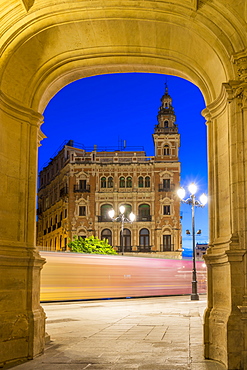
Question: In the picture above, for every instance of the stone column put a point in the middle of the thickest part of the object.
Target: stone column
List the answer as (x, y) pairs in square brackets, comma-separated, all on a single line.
[(226, 315), (22, 319)]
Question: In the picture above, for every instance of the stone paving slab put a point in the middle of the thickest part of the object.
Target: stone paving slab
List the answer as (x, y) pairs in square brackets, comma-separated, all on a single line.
[(145, 334)]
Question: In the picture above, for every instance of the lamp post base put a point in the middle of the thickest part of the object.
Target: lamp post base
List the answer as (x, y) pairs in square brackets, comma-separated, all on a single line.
[(194, 297)]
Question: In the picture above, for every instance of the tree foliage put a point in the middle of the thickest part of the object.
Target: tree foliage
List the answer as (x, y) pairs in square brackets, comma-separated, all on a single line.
[(91, 245)]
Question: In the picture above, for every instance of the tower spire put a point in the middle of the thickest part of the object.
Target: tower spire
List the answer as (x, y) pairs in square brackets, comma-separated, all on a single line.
[(166, 115)]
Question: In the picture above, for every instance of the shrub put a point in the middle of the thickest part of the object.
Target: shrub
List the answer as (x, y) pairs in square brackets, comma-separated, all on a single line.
[(91, 245)]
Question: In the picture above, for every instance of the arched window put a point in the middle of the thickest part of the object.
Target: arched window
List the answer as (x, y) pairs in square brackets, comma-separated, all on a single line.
[(144, 212), (110, 182), (129, 182), (147, 182), (122, 182), (140, 182), (144, 238), (128, 209), (126, 239), (166, 150), (165, 123), (104, 212), (107, 234), (103, 182)]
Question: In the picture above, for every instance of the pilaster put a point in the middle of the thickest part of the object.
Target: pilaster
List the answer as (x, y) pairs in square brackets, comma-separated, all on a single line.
[(22, 319), (225, 317)]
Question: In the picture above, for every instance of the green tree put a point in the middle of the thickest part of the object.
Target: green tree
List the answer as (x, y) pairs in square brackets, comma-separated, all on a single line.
[(91, 245)]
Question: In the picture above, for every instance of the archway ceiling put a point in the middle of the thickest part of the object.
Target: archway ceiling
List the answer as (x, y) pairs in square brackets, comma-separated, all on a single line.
[(52, 49)]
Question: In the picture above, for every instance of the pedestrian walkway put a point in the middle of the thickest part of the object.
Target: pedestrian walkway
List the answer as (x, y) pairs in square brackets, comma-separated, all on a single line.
[(145, 334)]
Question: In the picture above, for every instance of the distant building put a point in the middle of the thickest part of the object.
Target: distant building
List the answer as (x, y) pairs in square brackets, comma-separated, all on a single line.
[(201, 249), (79, 187)]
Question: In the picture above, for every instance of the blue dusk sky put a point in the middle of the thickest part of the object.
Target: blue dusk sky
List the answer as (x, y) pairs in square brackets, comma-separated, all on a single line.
[(105, 110)]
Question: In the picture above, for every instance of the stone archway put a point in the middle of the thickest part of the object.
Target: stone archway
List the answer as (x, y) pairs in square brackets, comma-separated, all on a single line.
[(48, 45)]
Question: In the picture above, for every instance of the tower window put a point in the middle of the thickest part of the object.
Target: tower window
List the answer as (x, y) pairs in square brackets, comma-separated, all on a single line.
[(166, 123), (166, 150), (140, 182), (103, 182), (167, 184), (129, 182), (147, 182), (82, 210), (166, 210), (122, 182), (110, 182)]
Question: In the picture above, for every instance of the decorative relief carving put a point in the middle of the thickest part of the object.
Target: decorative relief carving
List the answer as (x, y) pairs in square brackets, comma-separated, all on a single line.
[(240, 61)]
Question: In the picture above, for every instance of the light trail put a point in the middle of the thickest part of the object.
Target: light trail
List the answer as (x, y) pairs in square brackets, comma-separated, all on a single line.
[(71, 276)]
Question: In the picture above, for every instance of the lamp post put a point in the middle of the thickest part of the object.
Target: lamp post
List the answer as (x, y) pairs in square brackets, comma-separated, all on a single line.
[(194, 203), (121, 218)]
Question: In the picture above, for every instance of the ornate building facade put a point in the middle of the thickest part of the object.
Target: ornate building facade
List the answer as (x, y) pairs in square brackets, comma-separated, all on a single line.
[(79, 187)]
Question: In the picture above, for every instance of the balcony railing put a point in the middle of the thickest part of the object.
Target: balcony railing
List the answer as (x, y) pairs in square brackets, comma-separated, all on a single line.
[(166, 188), (144, 248), (167, 247), (104, 219), (127, 249), (165, 130), (79, 189), (145, 218)]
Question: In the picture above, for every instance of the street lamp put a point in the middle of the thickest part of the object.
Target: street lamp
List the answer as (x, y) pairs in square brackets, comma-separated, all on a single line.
[(121, 218), (194, 203)]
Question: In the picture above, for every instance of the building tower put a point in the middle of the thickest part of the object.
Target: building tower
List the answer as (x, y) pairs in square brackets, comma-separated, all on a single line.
[(166, 136), (167, 141)]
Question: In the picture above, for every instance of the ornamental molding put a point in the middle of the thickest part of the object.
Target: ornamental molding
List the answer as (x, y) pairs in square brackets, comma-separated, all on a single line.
[(240, 61)]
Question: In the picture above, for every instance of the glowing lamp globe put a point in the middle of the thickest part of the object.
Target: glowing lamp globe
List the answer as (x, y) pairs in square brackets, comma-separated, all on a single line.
[(192, 188), (203, 199), (181, 193)]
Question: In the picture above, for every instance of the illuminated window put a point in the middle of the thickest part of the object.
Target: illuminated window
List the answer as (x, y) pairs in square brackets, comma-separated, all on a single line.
[(110, 182), (129, 182), (166, 210), (122, 182), (140, 182), (166, 150), (107, 234), (103, 182), (147, 182), (82, 210), (144, 238)]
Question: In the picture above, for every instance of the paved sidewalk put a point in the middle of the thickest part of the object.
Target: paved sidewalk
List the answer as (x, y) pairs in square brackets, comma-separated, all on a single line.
[(144, 334)]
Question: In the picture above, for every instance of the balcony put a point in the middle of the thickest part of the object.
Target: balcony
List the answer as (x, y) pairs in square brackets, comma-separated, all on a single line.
[(166, 130), (144, 218), (127, 249), (166, 188), (104, 219), (167, 247), (144, 248), (79, 189)]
